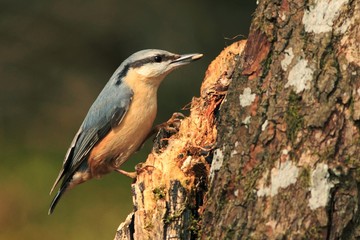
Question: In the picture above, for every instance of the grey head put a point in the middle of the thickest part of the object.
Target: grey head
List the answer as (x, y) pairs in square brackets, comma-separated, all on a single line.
[(154, 63)]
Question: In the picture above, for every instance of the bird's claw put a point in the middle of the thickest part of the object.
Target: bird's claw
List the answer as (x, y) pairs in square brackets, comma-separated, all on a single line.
[(173, 124), (176, 119), (141, 168)]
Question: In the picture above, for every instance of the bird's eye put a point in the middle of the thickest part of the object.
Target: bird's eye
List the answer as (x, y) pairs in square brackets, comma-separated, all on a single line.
[(157, 59)]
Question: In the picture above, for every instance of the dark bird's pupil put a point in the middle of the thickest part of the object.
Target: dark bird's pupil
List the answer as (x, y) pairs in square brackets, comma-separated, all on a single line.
[(157, 59)]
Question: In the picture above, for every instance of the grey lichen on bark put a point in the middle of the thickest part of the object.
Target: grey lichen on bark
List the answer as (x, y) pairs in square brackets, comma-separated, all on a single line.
[(288, 135)]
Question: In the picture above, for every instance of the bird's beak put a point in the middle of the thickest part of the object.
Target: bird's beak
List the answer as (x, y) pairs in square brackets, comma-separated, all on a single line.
[(186, 58)]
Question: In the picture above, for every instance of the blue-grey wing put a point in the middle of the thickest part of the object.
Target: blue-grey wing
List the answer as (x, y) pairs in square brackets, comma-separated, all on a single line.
[(107, 112)]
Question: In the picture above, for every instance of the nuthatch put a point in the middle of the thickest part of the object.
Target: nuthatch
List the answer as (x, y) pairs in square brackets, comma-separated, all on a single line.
[(119, 120)]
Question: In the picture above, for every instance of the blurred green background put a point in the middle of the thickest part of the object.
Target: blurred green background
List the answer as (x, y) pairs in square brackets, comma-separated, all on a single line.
[(55, 57)]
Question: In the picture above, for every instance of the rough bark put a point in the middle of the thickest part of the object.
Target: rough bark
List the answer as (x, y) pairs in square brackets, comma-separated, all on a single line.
[(278, 158), (289, 129)]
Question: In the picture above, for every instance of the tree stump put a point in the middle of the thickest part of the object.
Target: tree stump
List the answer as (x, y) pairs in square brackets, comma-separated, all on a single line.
[(171, 184), (276, 156)]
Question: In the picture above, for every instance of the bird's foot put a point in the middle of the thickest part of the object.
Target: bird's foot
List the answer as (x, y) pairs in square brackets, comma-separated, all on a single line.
[(166, 130), (173, 124), (141, 168)]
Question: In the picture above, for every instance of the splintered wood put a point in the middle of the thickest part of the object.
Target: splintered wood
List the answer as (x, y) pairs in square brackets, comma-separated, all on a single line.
[(171, 184)]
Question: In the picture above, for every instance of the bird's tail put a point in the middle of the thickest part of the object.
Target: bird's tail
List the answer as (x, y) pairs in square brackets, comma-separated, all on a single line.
[(56, 199)]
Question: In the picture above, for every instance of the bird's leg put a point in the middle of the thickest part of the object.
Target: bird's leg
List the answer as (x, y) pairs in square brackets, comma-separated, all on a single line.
[(138, 169), (170, 125), (128, 174)]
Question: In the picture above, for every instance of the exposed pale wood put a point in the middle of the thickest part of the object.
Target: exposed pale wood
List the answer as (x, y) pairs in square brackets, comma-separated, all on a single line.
[(170, 187), (284, 145)]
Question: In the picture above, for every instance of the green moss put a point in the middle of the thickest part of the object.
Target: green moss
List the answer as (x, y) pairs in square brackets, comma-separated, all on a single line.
[(357, 174), (267, 64), (329, 153), (194, 225), (230, 233), (305, 177), (293, 118), (348, 160), (149, 226), (177, 214), (248, 183), (159, 192), (314, 232), (221, 201)]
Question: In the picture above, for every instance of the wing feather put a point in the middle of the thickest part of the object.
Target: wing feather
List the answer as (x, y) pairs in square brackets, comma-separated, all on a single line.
[(108, 110)]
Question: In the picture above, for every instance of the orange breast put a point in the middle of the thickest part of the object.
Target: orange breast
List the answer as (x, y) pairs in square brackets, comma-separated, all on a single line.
[(115, 148)]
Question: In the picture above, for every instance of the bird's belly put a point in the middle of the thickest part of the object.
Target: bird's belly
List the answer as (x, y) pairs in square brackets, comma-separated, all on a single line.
[(117, 146)]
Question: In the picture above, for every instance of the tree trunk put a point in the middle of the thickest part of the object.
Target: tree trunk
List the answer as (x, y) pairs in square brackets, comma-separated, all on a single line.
[(278, 158)]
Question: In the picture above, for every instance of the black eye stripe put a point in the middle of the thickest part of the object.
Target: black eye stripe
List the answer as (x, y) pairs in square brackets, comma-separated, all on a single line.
[(158, 58), (122, 74), (144, 61)]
